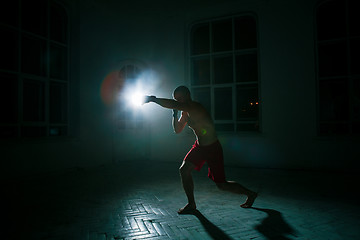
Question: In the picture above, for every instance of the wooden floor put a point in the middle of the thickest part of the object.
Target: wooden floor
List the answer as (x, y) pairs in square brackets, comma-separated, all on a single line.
[(140, 201)]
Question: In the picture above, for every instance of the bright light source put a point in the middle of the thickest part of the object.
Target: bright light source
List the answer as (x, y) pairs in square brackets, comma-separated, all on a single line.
[(135, 90), (137, 99), (134, 94)]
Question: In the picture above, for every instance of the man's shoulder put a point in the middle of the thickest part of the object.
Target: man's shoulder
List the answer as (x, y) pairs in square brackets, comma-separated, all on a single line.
[(197, 108), (195, 104)]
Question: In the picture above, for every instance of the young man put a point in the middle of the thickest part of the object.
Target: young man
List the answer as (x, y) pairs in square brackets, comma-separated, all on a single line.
[(206, 148)]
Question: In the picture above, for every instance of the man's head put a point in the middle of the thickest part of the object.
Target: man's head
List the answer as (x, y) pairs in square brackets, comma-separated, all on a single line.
[(182, 94)]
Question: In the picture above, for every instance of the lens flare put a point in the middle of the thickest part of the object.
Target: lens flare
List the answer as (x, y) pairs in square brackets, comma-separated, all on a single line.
[(122, 91), (110, 86), (203, 131)]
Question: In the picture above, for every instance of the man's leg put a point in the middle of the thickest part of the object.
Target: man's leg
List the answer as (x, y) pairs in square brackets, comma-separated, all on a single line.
[(235, 187), (188, 185)]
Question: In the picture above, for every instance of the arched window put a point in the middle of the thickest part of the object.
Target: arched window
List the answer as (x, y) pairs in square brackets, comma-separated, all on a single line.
[(34, 48), (338, 67), (224, 71)]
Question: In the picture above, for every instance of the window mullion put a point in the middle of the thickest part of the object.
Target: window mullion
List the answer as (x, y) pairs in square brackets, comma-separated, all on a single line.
[(350, 78), (234, 105), (20, 104), (234, 75), (47, 82), (19, 77)]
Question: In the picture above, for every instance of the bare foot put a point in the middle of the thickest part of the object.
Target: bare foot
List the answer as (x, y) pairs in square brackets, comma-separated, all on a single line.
[(189, 208), (249, 201)]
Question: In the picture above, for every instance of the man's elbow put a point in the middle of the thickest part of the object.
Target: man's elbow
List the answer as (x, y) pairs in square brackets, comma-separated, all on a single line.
[(177, 131)]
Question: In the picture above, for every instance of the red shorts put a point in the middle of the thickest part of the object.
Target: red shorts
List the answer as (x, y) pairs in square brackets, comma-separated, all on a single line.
[(213, 155)]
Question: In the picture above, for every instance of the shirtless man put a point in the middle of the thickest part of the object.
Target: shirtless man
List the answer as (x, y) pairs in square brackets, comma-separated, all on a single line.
[(206, 148)]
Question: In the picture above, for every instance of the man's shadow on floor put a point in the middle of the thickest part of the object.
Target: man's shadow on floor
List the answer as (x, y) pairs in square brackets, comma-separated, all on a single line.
[(210, 228), (274, 227)]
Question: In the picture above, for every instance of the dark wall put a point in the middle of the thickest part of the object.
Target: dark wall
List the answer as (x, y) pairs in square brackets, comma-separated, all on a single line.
[(105, 35)]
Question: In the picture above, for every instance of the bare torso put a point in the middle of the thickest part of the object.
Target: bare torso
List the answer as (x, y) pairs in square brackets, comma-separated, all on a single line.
[(199, 120)]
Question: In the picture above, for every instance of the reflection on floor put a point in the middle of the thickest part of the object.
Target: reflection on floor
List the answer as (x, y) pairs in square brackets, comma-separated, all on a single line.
[(140, 200)]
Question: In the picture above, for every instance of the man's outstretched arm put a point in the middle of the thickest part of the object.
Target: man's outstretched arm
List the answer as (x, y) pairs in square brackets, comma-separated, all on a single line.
[(168, 103)]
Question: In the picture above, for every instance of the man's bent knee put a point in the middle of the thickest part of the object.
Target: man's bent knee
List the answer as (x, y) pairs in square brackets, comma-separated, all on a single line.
[(186, 169)]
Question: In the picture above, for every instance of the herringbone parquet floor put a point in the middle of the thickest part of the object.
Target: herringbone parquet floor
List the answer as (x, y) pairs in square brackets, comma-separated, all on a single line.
[(140, 200)]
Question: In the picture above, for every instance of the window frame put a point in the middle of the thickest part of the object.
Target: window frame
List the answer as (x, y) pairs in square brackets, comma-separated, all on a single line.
[(234, 52), (349, 77), (46, 127)]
